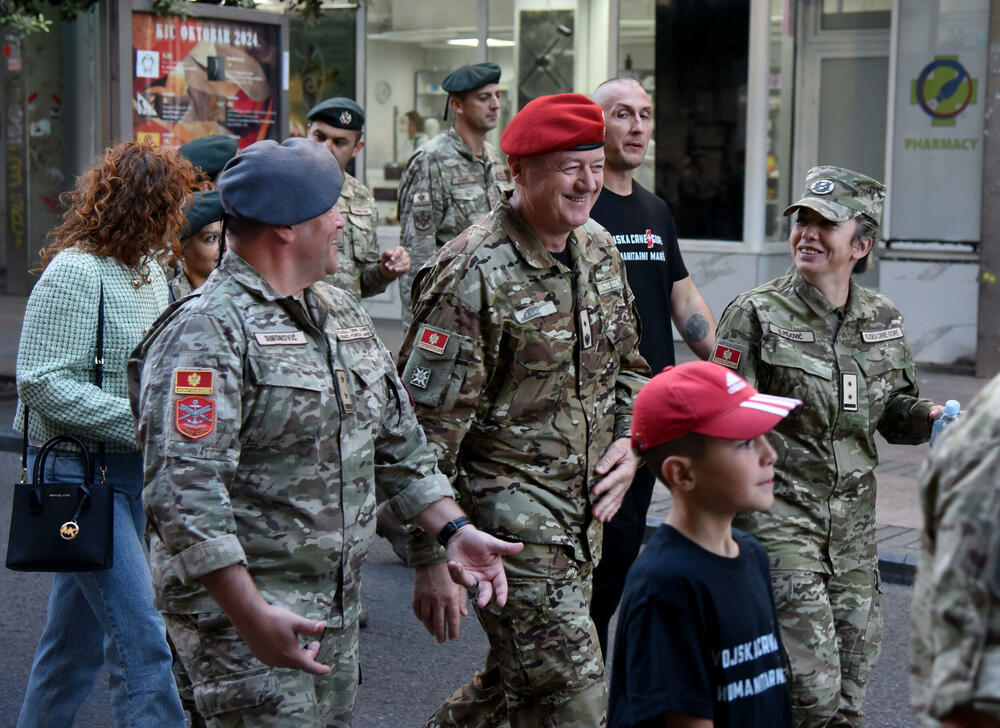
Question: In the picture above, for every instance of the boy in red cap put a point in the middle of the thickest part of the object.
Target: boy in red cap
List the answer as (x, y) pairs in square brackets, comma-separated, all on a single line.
[(698, 642)]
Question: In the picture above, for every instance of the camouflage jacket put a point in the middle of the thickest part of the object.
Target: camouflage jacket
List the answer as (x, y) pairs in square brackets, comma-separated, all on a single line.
[(444, 189), (178, 281), (955, 625), (854, 376), (359, 269), (265, 427), (523, 372)]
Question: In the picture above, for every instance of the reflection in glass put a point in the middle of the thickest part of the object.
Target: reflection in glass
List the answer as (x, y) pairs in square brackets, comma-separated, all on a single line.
[(701, 77)]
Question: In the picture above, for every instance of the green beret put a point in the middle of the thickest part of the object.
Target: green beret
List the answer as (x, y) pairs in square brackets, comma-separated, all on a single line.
[(210, 153), (839, 194), (340, 112), (205, 208), (471, 77), (281, 184)]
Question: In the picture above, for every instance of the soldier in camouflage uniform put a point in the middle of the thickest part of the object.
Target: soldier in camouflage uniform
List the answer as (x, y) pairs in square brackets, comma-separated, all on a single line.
[(362, 271), (955, 625), (264, 401), (522, 360), (456, 177), (817, 336)]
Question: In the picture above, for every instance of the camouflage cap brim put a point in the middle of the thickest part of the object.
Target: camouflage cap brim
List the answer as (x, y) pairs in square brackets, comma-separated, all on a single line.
[(827, 208)]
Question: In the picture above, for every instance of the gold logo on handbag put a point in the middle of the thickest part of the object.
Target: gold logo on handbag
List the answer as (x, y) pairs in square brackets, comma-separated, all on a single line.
[(69, 530)]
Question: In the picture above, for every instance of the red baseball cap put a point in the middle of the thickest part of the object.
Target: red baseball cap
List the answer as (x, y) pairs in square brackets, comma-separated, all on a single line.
[(706, 398), (554, 124)]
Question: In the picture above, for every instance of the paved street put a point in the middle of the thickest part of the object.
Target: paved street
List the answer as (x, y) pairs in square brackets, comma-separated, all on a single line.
[(405, 673)]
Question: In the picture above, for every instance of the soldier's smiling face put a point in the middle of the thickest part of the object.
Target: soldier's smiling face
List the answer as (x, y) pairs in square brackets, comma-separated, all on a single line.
[(824, 248), (317, 241), (560, 188)]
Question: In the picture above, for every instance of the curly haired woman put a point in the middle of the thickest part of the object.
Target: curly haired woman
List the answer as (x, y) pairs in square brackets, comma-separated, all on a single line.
[(120, 215)]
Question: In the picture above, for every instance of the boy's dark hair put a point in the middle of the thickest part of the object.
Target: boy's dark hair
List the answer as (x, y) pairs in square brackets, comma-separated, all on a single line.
[(692, 445)]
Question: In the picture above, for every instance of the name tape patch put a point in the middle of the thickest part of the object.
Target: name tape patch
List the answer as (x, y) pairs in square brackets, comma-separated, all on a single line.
[(535, 310), (193, 381), (360, 210), (354, 333), (280, 338), (609, 284), (884, 335), (803, 336)]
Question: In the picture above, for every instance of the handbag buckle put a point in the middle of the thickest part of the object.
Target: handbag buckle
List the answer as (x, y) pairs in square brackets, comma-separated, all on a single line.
[(69, 530), (104, 472)]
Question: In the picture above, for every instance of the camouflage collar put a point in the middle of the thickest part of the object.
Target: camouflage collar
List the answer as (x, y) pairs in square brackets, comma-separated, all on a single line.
[(462, 148), (247, 276), (820, 304), (531, 248)]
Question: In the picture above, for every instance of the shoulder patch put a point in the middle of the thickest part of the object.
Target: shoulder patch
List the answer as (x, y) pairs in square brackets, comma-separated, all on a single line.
[(727, 355), (432, 340), (421, 198), (195, 416), (193, 381), (803, 336), (872, 337)]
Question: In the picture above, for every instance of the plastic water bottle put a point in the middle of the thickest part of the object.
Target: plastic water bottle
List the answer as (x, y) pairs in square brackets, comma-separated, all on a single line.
[(948, 415)]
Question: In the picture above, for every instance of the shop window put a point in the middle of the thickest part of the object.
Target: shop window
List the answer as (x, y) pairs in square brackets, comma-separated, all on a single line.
[(856, 14), (322, 63), (780, 110), (701, 90), (637, 59)]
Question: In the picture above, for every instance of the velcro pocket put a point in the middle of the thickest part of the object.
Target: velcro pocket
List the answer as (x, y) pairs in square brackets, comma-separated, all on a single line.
[(434, 372), (254, 689)]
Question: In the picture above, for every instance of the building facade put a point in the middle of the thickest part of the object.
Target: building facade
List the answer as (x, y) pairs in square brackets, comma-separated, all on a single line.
[(749, 94)]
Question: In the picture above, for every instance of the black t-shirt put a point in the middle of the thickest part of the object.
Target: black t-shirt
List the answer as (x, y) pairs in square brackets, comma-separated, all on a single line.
[(698, 635), (643, 230)]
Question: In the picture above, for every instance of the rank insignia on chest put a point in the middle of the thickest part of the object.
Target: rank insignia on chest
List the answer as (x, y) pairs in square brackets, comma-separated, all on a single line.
[(432, 341), (344, 391), (195, 416), (849, 392), (193, 381), (586, 331), (727, 356)]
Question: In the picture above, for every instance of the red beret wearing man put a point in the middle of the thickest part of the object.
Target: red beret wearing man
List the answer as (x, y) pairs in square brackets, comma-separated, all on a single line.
[(522, 360)]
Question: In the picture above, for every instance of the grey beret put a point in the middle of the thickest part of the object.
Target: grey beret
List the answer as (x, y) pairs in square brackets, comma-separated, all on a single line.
[(205, 208), (281, 184), (471, 77), (340, 112), (210, 153)]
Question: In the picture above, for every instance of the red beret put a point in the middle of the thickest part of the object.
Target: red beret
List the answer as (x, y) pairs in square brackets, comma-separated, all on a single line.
[(554, 124)]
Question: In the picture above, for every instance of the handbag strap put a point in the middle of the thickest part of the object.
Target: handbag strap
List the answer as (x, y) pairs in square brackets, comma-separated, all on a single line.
[(98, 380)]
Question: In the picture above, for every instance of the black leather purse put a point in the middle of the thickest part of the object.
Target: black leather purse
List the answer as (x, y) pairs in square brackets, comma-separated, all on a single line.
[(63, 526)]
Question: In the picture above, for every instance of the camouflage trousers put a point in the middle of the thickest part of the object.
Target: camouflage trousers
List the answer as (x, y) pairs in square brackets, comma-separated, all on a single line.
[(544, 667), (233, 689), (831, 626)]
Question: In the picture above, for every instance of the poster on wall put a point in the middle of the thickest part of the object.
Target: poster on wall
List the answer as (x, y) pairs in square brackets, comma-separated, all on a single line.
[(196, 77), (937, 154)]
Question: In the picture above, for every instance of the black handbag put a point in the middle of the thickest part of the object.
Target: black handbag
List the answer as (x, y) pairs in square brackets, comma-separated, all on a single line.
[(63, 526)]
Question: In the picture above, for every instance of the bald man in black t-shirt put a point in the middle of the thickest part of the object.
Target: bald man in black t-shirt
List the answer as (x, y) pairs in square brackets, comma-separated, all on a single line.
[(643, 229)]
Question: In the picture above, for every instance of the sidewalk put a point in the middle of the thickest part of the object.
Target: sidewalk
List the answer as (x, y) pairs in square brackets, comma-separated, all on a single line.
[(898, 506)]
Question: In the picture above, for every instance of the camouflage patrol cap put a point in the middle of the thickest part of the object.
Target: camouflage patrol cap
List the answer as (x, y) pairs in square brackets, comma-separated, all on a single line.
[(281, 184), (340, 111), (840, 195)]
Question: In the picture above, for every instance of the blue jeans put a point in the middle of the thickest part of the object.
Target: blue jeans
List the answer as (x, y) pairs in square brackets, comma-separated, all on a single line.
[(104, 617)]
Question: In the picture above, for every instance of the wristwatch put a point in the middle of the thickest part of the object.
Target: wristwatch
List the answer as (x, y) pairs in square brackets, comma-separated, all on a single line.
[(449, 529)]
